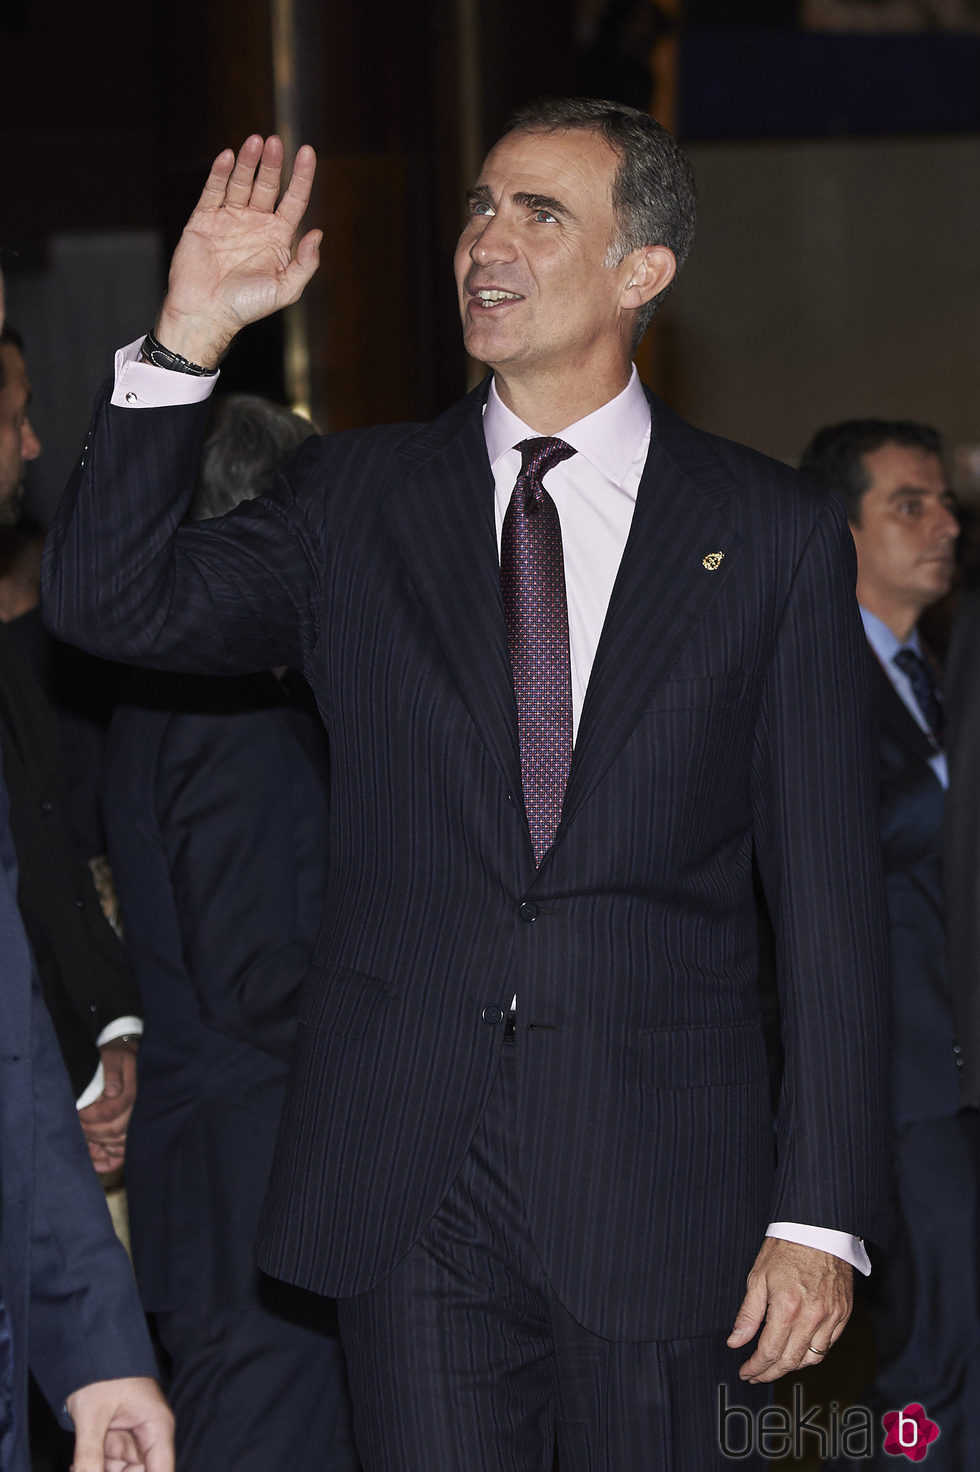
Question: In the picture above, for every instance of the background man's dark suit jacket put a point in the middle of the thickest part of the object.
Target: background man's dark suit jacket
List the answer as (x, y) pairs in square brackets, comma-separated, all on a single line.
[(65, 1278), (924, 1065), (962, 839), (216, 816), (727, 710), (86, 975), (923, 1291)]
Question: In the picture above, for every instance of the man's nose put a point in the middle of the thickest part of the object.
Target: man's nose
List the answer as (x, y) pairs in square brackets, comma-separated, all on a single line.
[(30, 445), (494, 242), (947, 526)]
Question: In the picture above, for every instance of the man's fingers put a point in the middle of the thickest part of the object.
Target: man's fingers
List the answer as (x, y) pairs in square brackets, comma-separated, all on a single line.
[(90, 1439), (308, 250), (296, 198), (88, 1452), (821, 1342), (106, 1159), (213, 193), (794, 1338), (240, 181), (106, 1119), (268, 177), (122, 1451), (751, 1312), (784, 1349), (804, 1295), (121, 1423), (303, 265)]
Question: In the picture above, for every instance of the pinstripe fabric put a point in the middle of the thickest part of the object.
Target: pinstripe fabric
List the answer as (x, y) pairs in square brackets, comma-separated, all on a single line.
[(463, 1357), (727, 711)]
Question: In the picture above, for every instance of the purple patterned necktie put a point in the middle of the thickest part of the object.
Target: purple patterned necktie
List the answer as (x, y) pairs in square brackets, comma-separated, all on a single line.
[(532, 576)]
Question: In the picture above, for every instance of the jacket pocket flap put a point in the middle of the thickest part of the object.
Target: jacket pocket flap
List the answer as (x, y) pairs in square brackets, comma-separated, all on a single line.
[(697, 1057), (345, 1002)]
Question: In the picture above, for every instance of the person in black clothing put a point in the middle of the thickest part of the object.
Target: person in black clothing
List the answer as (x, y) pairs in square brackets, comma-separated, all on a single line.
[(216, 817), (86, 975)]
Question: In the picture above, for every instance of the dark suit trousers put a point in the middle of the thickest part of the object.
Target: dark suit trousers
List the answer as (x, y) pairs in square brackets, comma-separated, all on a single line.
[(259, 1388), (926, 1291), (464, 1360)]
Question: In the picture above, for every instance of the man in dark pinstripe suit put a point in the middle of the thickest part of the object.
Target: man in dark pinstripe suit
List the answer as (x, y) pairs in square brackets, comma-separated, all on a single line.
[(527, 1142)]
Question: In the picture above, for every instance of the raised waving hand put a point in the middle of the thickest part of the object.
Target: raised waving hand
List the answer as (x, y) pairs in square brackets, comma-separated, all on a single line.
[(238, 260)]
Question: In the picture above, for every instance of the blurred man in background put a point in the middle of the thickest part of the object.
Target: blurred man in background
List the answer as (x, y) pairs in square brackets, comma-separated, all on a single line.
[(18, 442), (217, 818), (86, 976), (924, 1290), (68, 1304)]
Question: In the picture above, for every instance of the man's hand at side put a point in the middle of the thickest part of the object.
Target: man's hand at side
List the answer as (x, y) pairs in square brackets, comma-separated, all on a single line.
[(235, 262), (803, 1296), (122, 1426), (105, 1121)]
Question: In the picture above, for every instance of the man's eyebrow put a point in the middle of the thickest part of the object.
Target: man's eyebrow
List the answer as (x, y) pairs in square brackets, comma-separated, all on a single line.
[(479, 194), (900, 492), (542, 202)]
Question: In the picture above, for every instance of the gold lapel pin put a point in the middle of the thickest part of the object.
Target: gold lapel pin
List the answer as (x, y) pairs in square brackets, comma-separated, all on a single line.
[(712, 561)]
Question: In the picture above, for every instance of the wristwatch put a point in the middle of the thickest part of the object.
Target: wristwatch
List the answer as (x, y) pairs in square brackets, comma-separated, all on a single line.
[(153, 351)]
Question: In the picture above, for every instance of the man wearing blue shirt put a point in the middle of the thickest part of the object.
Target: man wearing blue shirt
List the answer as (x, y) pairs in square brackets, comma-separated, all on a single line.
[(890, 477)]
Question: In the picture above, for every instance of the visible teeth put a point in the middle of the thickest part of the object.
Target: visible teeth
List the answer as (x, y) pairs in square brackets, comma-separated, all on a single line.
[(489, 297)]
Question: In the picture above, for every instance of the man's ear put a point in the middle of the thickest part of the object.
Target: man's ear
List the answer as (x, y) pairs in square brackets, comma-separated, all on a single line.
[(651, 269)]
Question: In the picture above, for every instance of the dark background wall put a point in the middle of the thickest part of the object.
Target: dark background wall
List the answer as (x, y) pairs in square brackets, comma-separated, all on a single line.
[(834, 271)]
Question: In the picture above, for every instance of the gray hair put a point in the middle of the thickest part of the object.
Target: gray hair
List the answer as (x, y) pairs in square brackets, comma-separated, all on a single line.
[(653, 192), (247, 440)]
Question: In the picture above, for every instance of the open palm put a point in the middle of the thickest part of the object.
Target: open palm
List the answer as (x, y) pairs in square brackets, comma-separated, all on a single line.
[(236, 261)]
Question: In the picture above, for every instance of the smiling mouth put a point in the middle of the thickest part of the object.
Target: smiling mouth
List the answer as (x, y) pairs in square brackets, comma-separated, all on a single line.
[(493, 297)]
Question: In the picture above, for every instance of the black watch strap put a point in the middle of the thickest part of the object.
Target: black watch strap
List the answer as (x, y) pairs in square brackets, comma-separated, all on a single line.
[(153, 351)]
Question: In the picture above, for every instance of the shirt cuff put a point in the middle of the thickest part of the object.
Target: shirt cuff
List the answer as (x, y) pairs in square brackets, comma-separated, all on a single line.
[(119, 1027), (841, 1244), (93, 1090), (144, 386)]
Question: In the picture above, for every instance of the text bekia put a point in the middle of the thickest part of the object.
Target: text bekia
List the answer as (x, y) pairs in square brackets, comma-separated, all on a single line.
[(794, 1431)]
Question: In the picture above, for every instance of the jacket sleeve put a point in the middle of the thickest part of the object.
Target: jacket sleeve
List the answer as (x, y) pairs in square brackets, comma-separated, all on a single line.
[(815, 815), (122, 579), (86, 1322)]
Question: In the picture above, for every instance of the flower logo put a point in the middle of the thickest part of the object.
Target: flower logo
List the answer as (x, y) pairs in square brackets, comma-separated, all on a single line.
[(909, 1433)]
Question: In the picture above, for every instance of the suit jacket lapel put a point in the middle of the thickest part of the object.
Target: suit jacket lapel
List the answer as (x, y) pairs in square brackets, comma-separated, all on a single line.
[(443, 521), (663, 588)]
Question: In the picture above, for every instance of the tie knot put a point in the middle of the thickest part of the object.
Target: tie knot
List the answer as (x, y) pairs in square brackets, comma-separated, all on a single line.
[(539, 456), (911, 663)]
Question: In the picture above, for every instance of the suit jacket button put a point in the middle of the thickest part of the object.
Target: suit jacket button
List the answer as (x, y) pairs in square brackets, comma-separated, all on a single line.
[(492, 1015), (527, 910)]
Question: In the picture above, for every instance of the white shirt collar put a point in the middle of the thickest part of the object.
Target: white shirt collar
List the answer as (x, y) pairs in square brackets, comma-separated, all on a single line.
[(609, 438)]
